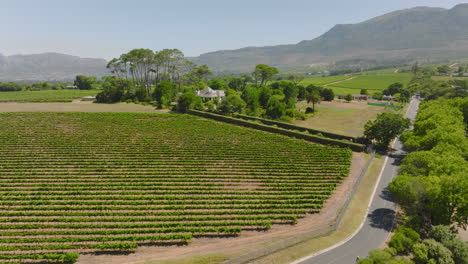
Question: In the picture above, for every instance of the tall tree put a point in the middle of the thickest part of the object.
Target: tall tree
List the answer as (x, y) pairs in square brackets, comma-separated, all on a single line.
[(385, 128), (314, 98), (264, 73)]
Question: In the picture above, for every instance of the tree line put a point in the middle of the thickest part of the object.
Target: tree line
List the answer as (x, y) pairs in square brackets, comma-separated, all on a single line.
[(40, 86)]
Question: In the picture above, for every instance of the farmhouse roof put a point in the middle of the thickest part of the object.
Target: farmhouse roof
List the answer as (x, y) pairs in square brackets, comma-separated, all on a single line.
[(210, 93)]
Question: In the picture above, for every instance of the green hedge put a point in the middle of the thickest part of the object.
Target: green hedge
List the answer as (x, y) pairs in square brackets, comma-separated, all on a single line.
[(312, 138)]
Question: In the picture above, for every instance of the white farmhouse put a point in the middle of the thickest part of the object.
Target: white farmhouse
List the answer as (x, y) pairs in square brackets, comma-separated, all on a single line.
[(210, 94)]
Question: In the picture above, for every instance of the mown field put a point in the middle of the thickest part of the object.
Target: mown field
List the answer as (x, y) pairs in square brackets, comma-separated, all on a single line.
[(45, 96), (372, 83), (341, 118), (87, 182)]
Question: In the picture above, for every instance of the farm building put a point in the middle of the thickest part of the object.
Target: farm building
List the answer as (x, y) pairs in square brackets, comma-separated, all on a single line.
[(361, 97), (209, 94), (88, 98)]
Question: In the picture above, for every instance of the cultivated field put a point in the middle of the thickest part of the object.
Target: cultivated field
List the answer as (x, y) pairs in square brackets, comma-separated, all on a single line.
[(45, 96), (86, 182), (372, 83)]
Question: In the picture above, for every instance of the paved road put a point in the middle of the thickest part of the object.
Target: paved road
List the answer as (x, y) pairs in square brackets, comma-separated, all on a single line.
[(379, 221)]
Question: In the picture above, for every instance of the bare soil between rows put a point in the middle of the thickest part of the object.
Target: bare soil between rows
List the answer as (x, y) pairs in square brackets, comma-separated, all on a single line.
[(248, 240)]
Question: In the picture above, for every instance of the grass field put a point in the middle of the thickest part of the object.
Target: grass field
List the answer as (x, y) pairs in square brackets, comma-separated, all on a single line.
[(372, 83), (86, 182), (45, 96), (341, 118)]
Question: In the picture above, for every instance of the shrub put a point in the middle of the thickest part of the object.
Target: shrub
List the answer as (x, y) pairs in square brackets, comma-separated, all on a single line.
[(348, 98), (309, 110), (232, 104), (210, 106)]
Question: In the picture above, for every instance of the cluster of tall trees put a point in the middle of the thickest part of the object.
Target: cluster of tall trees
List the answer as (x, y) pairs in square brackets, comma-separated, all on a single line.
[(146, 75)]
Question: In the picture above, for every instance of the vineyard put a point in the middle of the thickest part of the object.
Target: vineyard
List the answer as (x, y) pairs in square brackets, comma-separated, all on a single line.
[(74, 183)]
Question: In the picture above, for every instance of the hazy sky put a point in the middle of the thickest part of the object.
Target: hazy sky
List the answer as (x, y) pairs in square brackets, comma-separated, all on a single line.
[(107, 28)]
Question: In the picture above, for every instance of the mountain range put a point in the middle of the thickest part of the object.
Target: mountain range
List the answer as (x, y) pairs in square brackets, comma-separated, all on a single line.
[(422, 34), (48, 67)]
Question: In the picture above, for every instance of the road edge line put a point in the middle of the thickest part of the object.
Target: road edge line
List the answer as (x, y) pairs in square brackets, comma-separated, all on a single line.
[(360, 226)]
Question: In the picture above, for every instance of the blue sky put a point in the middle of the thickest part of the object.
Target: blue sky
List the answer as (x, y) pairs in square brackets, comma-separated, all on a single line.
[(107, 28)]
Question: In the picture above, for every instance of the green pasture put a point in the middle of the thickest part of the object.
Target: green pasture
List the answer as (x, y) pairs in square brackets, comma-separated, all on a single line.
[(45, 96)]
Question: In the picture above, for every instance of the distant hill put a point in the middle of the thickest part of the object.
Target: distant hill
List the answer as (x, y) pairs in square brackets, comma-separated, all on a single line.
[(48, 67), (421, 33)]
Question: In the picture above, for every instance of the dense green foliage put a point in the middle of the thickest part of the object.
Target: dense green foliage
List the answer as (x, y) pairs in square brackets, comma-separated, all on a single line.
[(188, 100), (164, 93), (433, 180), (81, 181)]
